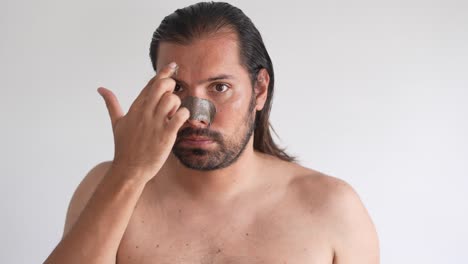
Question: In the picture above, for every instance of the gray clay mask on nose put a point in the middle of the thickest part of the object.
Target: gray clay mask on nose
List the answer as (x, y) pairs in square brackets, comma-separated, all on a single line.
[(200, 109)]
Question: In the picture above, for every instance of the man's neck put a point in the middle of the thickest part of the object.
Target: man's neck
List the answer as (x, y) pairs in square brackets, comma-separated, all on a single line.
[(215, 186)]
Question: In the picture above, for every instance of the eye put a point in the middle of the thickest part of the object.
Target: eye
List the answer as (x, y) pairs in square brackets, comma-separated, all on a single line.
[(221, 87), (177, 87)]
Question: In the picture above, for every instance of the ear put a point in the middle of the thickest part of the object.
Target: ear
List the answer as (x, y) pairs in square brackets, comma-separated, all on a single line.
[(261, 88)]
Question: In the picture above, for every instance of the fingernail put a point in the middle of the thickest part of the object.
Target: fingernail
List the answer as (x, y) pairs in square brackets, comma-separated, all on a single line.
[(173, 65)]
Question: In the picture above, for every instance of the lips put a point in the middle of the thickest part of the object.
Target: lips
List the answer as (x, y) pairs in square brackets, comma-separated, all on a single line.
[(196, 139), (197, 142)]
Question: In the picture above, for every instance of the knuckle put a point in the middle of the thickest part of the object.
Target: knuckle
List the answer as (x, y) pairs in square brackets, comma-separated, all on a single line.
[(175, 98), (167, 82), (170, 99), (165, 98), (156, 83), (179, 117)]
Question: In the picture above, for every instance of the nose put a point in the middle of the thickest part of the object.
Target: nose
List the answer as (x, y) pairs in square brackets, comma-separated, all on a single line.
[(202, 111), (197, 123), (194, 124)]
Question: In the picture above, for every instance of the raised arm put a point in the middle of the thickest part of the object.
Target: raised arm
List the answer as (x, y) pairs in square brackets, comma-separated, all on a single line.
[(103, 203)]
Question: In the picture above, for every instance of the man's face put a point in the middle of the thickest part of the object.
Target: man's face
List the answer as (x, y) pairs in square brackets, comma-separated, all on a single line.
[(216, 58)]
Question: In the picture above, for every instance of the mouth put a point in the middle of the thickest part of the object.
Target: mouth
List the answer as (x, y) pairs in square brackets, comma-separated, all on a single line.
[(195, 141)]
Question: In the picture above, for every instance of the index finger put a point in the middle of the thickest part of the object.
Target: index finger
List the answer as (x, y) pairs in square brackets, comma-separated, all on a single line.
[(167, 71)]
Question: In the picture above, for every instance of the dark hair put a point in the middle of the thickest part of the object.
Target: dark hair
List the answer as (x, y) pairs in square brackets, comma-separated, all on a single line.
[(197, 20)]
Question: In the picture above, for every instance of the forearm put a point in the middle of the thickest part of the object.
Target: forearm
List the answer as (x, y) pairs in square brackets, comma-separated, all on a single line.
[(96, 235)]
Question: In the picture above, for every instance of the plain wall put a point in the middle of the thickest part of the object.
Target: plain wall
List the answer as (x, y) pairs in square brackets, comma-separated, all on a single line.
[(372, 92)]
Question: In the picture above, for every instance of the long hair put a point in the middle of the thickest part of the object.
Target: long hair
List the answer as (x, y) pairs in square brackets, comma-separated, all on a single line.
[(186, 24)]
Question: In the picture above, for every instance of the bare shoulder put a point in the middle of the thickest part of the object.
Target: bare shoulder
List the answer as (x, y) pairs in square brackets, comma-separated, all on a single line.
[(352, 233), (335, 197), (83, 193), (311, 185)]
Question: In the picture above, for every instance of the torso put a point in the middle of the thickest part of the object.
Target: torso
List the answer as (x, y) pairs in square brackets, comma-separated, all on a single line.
[(281, 222)]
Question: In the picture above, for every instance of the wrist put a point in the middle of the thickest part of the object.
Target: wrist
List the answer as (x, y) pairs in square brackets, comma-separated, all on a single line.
[(130, 174)]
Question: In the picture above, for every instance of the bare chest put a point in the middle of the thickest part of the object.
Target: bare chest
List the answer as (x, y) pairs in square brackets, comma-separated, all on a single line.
[(278, 235)]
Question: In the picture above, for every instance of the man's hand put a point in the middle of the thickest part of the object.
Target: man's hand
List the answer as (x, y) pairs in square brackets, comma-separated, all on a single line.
[(144, 137)]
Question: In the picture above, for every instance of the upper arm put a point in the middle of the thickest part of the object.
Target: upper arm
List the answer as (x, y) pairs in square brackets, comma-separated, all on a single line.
[(83, 193), (354, 235)]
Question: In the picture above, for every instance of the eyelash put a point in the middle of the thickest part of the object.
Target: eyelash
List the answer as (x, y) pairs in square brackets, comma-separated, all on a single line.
[(215, 86)]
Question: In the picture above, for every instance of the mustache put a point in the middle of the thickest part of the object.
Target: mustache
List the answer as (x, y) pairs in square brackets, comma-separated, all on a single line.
[(201, 132)]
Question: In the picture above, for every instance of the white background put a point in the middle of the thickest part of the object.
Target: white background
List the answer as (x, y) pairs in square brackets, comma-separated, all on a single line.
[(372, 92)]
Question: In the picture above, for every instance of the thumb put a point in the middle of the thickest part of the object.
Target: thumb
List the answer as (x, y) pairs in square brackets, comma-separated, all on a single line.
[(112, 104)]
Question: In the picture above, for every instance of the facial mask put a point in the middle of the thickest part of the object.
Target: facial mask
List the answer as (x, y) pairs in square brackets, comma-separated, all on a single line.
[(200, 109)]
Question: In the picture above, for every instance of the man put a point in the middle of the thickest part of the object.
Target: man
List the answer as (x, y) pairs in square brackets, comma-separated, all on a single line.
[(182, 190)]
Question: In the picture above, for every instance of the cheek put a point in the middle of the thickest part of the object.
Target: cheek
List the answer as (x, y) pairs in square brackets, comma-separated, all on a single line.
[(232, 111), (238, 100), (234, 106)]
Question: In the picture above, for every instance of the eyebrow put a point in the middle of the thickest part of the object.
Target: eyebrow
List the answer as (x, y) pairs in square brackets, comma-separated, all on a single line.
[(210, 79)]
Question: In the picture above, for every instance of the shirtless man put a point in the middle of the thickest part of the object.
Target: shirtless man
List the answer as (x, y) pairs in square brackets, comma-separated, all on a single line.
[(229, 195)]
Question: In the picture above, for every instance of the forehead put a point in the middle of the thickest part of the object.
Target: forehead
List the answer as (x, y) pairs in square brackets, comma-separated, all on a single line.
[(214, 53)]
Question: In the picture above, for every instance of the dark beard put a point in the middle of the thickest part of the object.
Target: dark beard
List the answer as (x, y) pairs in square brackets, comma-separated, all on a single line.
[(223, 156)]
